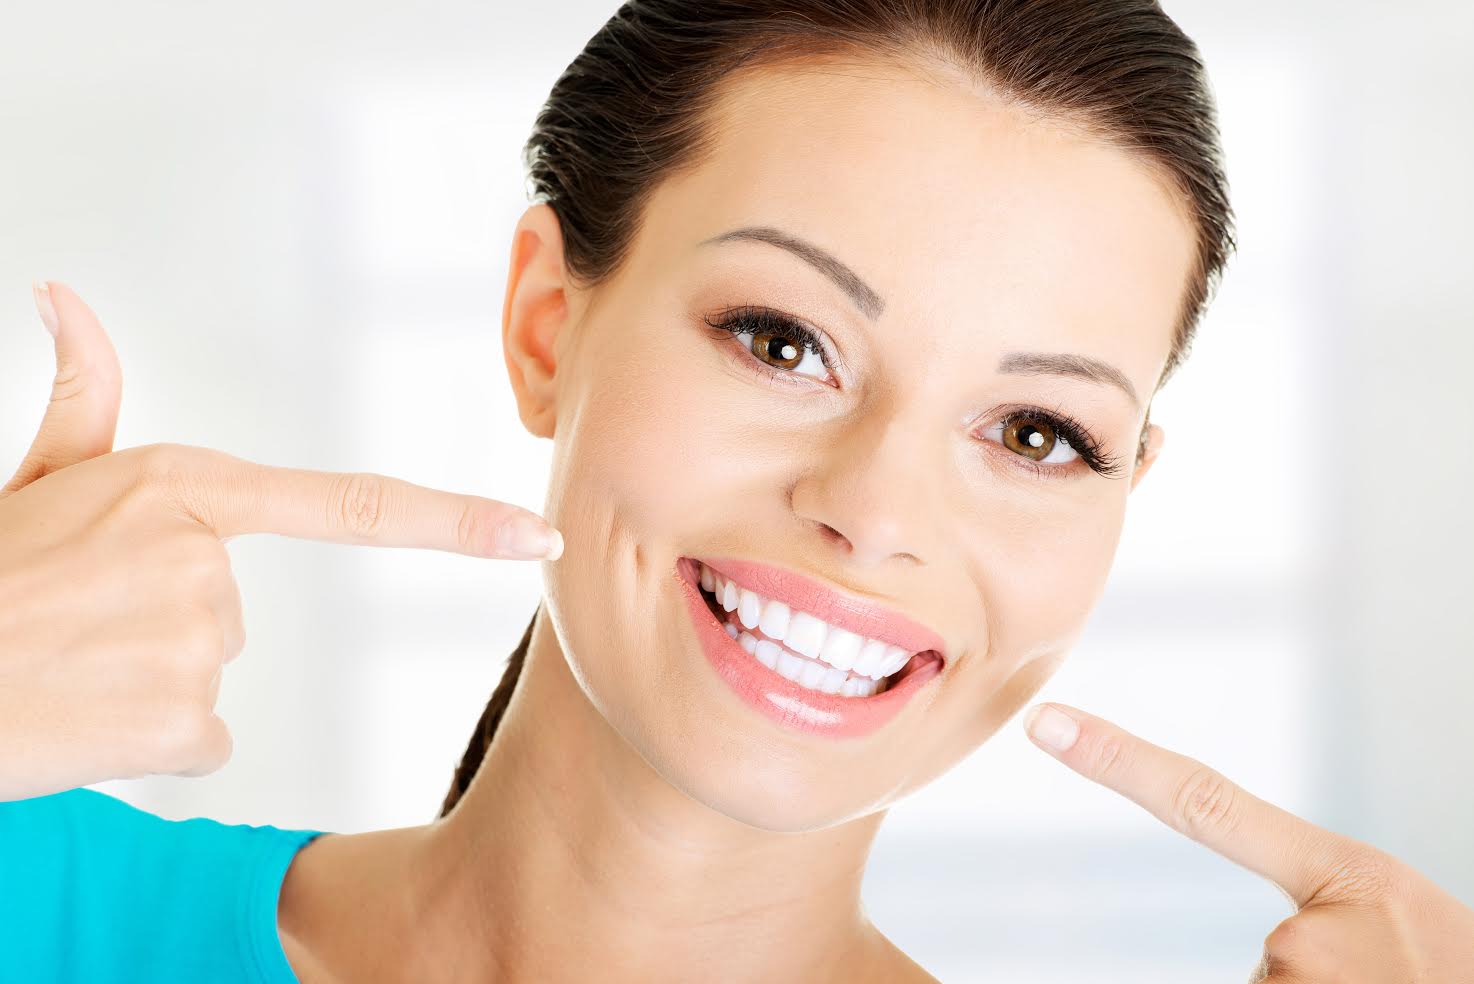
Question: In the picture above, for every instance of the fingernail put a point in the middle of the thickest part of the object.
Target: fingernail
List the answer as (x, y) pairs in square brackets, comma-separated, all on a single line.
[(529, 538), (1053, 728), (42, 292)]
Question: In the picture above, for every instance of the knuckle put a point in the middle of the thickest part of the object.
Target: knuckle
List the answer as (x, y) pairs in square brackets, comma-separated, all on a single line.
[(179, 474), (361, 503), (70, 381), (1313, 942), (235, 624), (197, 646), (224, 747), (1205, 800), (165, 474), (181, 732), (473, 531), (1109, 758), (212, 751), (236, 640), (160, 466), (203, 561), (1362, 873), (1286, 940)]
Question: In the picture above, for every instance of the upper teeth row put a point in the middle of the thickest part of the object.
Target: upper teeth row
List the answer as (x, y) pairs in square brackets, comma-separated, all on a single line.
[(804, 633)]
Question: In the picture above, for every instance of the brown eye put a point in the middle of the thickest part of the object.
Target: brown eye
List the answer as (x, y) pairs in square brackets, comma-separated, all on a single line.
[(778, 351), (1033, 439), (782, 345)]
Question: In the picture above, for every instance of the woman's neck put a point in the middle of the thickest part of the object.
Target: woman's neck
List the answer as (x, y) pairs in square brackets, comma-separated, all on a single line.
[(569, 852)]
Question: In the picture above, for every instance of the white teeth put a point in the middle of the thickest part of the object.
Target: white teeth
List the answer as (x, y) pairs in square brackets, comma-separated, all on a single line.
[(840, 648), (895, 658), (854, 665), (805, 673), (805, 634), (789, 665), (812, 674), (774, 622), (747, 608), (869, 660), (833, 679)]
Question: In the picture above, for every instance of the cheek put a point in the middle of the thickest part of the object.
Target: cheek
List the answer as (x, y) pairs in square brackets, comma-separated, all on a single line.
[(629, 456), (1036, 581), (640, 472), (1047, 574), (622, 444), (644, 449)]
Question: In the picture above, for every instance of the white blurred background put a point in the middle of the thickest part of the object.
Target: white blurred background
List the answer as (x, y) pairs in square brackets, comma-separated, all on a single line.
[(294, 221)]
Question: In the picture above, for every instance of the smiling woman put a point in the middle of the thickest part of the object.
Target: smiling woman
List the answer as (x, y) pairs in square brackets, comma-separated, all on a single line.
[(844, 321)]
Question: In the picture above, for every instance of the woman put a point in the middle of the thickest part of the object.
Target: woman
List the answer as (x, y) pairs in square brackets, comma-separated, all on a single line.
[(845, 321)]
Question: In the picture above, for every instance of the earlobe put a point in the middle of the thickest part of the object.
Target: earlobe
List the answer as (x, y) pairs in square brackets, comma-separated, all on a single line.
[(1151, 447), (533, 314)]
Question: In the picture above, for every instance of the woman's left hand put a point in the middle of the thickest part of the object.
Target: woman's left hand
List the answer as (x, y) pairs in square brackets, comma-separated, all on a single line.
[(1363, 916)]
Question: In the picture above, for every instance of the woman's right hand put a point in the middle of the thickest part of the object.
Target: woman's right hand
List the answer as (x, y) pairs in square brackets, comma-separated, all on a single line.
[(118, 609)]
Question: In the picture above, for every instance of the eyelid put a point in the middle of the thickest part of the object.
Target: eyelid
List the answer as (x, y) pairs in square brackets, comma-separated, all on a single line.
[(726, 320), (1091, 453), (1036, 469)]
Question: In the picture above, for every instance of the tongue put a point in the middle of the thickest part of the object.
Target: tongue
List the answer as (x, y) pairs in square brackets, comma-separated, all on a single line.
[(911, 665)]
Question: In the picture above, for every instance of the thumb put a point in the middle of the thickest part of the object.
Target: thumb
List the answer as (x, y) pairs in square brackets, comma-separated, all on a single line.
[(82, 417)]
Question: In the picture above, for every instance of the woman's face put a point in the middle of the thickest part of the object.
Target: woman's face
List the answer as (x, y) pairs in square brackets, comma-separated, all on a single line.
[(983, 238)]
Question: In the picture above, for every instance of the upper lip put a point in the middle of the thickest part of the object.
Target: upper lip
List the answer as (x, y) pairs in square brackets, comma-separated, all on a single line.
[(801, 593)]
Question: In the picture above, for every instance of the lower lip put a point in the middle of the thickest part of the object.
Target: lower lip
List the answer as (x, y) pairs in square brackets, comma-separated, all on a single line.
[(785, 701)]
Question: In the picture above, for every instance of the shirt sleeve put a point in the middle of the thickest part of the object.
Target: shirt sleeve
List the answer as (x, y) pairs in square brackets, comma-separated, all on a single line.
[(94, 889)]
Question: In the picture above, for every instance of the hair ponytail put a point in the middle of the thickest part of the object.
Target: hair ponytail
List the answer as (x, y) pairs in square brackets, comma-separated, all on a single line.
[(490, 718)]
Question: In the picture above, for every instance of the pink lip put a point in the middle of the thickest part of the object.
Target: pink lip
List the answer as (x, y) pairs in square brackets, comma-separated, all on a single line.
[(864, 618), (785, 701)]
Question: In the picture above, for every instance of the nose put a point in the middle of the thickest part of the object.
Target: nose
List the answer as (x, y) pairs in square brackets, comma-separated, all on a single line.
[(867, 493)]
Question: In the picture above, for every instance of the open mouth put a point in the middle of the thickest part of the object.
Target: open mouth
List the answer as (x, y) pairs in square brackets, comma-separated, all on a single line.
[(798, 645)]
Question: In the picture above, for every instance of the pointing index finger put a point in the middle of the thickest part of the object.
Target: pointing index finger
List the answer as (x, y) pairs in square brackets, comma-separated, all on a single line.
[(233, 496), (1194, 800)]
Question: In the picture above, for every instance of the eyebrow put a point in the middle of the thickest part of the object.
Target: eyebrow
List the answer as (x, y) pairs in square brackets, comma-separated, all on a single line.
[(862, 294), (871, 304), (1082, 366)]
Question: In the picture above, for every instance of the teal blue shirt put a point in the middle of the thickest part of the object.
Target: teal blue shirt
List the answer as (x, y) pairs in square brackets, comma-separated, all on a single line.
[(94, 889)]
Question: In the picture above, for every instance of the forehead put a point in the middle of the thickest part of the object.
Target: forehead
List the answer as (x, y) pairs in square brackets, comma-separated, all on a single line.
[(952, 203)]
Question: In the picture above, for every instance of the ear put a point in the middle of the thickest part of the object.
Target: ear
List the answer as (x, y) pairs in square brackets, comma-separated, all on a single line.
[(534, 313), (1151, 447)]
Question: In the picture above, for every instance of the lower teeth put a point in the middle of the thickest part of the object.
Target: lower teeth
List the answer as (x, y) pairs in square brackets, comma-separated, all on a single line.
[(852, 685)]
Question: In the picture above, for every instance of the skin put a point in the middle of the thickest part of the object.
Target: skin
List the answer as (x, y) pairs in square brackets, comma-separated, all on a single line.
[(118, 609), (632, 814)]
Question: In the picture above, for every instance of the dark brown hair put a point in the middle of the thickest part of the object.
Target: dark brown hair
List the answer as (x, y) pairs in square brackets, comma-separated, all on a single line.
[(632, 110)]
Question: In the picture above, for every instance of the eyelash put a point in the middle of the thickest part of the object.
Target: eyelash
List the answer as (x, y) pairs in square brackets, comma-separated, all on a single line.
[(1074, 433), (749, 318)]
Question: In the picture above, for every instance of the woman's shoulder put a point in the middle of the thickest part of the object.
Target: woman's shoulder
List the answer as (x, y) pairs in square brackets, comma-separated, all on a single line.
[(91, 883), (84, 831)]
